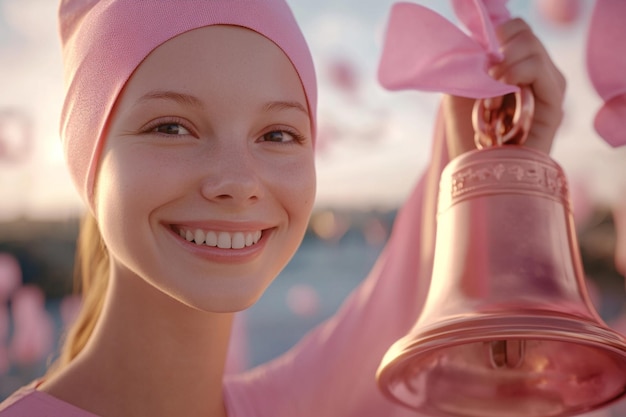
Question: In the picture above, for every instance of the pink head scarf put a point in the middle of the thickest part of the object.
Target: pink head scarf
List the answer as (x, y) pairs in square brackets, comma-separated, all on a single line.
[(103, 42)]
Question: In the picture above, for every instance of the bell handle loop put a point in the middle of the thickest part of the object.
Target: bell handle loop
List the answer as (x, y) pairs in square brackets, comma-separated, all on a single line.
[(508, 124)]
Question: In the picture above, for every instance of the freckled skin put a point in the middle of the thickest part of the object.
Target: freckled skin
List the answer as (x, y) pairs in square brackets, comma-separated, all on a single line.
[(214, 165)]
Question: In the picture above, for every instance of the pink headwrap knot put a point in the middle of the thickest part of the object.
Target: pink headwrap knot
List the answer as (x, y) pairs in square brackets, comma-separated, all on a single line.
[(606, 64), (105, 40), (424, 51)]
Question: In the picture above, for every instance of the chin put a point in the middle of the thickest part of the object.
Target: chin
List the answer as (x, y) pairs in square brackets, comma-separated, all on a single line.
[(221, 303)]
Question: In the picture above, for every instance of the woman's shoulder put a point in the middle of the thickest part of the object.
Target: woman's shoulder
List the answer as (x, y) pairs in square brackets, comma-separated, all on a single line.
[(29, 402)]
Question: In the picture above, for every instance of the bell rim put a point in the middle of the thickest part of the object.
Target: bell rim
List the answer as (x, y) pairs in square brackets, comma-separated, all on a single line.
[(556, 332), (396, 360)]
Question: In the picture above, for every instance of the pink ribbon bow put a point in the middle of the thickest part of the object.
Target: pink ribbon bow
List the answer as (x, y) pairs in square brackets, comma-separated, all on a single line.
[(424, 51), (606, 64)]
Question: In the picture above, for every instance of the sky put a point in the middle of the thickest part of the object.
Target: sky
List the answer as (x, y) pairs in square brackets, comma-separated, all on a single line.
[(373, 144)]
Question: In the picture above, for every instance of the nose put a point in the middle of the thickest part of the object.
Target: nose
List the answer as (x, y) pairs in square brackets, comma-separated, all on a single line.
[(233, 178)]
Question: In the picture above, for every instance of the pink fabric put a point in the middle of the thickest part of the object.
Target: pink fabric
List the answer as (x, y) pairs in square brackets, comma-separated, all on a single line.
[(424, 51), (606, 63), (480, 17), (104, 41), (28, 402)]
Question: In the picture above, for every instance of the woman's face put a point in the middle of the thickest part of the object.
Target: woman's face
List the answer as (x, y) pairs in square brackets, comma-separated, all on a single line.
[(207, 178)]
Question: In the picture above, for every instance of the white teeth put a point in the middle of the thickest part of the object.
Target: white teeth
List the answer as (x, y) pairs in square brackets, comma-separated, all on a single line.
[(222, 240), (238, 241), (211, 239), (198, 237)]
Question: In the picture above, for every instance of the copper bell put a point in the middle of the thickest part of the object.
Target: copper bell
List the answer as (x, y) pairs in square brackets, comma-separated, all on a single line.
[(508, 329)]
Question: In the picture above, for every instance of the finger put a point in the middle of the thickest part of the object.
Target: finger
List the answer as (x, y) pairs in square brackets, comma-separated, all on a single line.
[(517, 40), (531, 70), (511, 28), (526, 62)]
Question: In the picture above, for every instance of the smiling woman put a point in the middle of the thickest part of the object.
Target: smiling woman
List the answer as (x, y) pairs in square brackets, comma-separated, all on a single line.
[(199, 189), (203, 163)]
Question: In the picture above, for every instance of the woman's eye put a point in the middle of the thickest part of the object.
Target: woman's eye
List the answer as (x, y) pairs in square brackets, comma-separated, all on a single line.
[(280, 136), (171, 129)]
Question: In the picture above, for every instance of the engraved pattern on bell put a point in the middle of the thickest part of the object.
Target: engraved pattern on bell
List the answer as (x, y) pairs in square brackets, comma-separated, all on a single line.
[(494, 170)]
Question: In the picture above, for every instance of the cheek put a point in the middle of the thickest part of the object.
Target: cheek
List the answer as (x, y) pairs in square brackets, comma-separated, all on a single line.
[(293, 193), (115, 207), (128, 189), (300, 183), (135, 178), (119, 187)]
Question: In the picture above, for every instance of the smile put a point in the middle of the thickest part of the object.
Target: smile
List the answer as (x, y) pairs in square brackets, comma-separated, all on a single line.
[(222, 240)]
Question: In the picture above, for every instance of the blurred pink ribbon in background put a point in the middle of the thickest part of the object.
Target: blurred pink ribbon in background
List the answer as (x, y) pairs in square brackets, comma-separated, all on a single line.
[(424, 51), (606, 64), (33, 336), (10, 280)]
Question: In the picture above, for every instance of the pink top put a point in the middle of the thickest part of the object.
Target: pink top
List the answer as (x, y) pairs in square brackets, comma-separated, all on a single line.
[(28, 402)]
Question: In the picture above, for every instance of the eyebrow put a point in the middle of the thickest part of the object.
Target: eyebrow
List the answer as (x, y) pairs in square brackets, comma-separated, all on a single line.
[(190, 100), (285, 105), (181, 98)]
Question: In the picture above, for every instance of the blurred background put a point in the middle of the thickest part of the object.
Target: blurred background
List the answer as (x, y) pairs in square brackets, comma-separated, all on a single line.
[(373, 145)]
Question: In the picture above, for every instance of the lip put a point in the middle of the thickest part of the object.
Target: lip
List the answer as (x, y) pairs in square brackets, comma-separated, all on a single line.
[(215, 254)]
